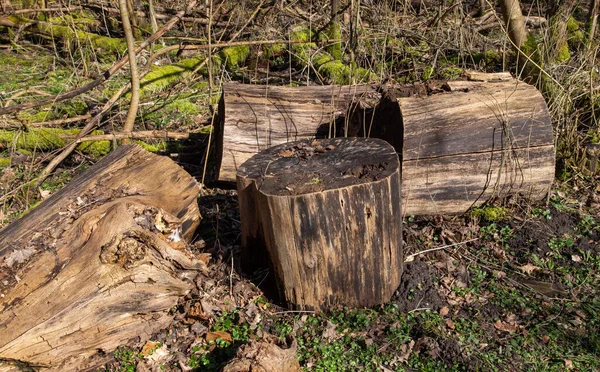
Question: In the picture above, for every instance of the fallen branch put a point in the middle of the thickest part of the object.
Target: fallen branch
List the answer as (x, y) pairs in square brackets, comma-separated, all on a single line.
[(135, 135), (411, 257), (106, 75)]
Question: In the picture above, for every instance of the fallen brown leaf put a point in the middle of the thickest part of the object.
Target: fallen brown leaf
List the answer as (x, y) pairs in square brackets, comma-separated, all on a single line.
[(213, 336), (528, 268), (444, 311), (505, 327), (148, 348), (450, 324)]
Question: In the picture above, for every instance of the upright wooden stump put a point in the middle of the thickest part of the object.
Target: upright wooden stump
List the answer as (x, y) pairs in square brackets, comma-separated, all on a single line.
[(328, 212)]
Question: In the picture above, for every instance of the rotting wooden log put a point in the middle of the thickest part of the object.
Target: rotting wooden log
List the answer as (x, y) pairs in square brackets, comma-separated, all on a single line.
[(476, 142), (463, 142), (328, 212), (253, 118), (99, 263)]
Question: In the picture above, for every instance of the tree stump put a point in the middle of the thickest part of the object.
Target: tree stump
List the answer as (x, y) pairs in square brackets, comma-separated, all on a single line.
[(328, 212), (99, 263)]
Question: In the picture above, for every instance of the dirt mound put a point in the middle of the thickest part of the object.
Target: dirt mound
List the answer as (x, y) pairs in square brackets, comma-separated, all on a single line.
[(417, 289)]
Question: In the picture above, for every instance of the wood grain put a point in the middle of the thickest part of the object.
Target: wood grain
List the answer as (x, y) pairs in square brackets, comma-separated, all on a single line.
[(93, 267), (331, 223)]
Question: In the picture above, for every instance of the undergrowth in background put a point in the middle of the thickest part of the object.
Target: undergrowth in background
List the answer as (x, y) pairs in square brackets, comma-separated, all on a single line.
[(522, 296)]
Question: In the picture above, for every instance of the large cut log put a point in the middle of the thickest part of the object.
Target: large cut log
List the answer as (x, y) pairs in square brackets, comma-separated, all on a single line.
[(462, 144), (99, 263), (253, 118), (328, 212), (478, 141)]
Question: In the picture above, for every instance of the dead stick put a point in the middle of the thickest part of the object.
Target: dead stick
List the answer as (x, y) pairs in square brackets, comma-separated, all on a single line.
[(135, 77), (47, 10), (107, 74), (135, 135)]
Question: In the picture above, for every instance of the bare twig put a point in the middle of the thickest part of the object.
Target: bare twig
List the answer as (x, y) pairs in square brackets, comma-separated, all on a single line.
[(411, 257), (135, 78), (106, 75), (135, 135)]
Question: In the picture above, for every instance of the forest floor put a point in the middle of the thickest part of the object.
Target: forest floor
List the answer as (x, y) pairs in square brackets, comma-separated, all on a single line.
[(511, 288), (514, 286)]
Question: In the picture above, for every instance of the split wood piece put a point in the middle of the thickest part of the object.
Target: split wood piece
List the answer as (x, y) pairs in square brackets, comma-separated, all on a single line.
[(99, 263), (479, 141), (328, 212), (253, 118)]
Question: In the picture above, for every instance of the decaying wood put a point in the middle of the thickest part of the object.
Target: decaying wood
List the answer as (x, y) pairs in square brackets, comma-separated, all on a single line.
[(328, 212), (99, 263), (471, 141), (253, 118), (478, 141)]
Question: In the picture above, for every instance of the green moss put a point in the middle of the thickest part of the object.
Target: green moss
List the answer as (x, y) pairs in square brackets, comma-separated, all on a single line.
[(563, 54), (154, 148), (490, 213), (335, 50), (45, 139), (161, 78), (450, 73), (81, 21), (302, 52), (427, 73), (575, 32), (235, 56), (274, 50), (4, 162), (68, 35)]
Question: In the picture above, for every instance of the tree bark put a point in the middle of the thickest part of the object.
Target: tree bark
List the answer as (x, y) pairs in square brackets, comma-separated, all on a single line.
[(515, 22), (329, 214), (469, 128), (99, 263), (135, 77), (478, 142)]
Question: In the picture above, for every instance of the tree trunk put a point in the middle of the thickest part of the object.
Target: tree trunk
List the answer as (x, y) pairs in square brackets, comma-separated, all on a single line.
[(135, 77), (592, 20), (328, 212), (464, 126), (478, 142), (515, 22), (99, 263)]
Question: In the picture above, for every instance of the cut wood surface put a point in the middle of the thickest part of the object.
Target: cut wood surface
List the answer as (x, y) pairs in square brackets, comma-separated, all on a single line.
[(253, 118), (328, 212), (478, 141), (99, 263)]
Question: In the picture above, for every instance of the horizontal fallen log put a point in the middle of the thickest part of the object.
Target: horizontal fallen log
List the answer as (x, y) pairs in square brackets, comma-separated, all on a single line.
[(98, 264), (461, 145)]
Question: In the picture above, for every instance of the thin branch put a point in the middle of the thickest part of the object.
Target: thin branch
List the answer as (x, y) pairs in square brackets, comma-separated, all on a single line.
[(106, 75), (411, 257), (135, 77), (135, 135)]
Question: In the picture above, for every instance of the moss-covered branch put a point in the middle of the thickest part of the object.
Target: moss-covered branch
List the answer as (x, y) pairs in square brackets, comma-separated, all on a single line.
[(308, 54), (70, 35)]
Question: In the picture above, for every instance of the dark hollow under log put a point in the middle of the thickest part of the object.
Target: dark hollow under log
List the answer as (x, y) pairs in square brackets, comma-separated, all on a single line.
[(328, 212), (98, 264)]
